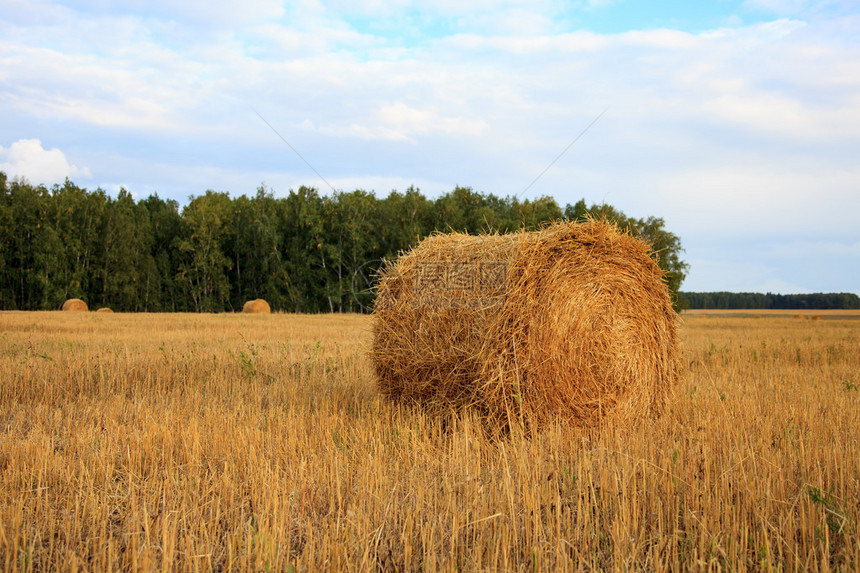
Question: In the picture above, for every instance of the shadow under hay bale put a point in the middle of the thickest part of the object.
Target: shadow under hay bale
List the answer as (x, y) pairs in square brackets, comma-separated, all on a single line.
[(258, 306), (75, 305), (572, 322)]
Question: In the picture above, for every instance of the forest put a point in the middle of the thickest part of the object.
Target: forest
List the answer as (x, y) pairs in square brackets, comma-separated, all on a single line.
[(303, 252), (755, 300)]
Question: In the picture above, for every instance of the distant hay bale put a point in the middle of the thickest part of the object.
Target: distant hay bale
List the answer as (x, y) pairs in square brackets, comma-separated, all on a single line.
[(75, 305), (571, 322), (798, 316), (104, 309), (258, 306), (816, 317)]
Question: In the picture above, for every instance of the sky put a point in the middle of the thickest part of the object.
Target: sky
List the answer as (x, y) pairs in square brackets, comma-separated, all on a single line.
[(738, 122)]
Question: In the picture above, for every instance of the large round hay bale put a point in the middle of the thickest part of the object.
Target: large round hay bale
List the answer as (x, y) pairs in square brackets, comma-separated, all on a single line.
[(258, 306), (75, 304), (105, 309), (572, 322)]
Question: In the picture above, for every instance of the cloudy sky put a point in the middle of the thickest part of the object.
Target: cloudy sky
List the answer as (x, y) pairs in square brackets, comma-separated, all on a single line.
[(736, 121)]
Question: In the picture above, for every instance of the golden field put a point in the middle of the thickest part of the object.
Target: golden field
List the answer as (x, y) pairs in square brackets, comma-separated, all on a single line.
[(773, 312), (255, 442)]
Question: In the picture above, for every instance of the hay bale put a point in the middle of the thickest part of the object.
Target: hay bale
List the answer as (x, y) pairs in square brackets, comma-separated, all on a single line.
[(75, 305), (258, 306), (104, 309), (573, 322)]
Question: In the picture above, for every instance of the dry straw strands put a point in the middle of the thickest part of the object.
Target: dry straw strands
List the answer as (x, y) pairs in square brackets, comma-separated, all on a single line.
[(258, 306), (573, 322), (75, 304)]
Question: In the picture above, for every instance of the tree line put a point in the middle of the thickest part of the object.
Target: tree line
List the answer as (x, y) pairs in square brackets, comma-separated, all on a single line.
[(305, 252), (755, 300)]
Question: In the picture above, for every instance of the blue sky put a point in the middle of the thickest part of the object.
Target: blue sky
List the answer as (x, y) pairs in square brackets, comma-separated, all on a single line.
[(736, 121)]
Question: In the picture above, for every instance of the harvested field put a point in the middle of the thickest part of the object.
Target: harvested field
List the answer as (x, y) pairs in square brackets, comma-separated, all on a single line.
[(782, 313), (220, 442)]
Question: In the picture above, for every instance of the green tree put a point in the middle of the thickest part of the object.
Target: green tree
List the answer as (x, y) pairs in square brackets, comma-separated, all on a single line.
[(532, 214), (305, 251), (7, 269), (259, 270), (355, 232), (203, 267), (404, 219), (35, 253), (464, 210), (127, 254), (161, 290), (75, 220)]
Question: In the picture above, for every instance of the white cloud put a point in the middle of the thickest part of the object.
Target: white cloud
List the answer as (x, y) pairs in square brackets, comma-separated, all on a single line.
[(189, 12), (764, 200), (397, 121), (660, 39), (26, 158), (567, 43)]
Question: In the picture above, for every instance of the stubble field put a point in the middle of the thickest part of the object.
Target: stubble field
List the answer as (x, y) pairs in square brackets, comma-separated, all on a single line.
[(236, 442)]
